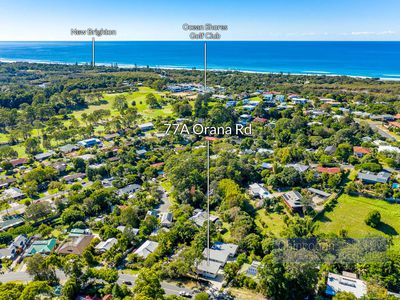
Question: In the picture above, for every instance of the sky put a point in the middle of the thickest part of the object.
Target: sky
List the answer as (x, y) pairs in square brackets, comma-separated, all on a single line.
[(52, 20)]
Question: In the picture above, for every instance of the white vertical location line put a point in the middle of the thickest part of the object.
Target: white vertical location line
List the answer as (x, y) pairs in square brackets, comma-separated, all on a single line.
[(208, 202), (208, 163), (205, 67), (93, 52)]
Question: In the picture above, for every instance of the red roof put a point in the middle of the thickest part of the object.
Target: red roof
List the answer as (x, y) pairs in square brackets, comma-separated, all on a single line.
[(18, 161), (107, 297), (260, 120), (332, 170), (361, 150), (211, 138), (394, 124), (156, 165), (397, 116)]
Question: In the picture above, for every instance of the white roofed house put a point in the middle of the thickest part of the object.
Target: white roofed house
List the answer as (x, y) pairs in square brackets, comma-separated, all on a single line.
[(11, 251), (68, 148), (259, 191), (12, 194), (146, 249), (200, 216), (347, 282), (146, 126), (298, 167), (208, 269), (129, 189), (104, 246), (220, 253), (89, 142), (166, 219)]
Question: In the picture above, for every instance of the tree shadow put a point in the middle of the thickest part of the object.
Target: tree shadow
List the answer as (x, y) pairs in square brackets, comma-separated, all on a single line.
[(387, 229), (323, 218)]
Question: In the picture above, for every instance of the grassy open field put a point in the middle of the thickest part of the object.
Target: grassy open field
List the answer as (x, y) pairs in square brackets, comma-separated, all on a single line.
[(140, 99), (270, 222), (245, 294), (350, 212)]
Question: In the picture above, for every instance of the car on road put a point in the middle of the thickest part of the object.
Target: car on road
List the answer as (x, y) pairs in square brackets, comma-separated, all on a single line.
[(185, 294)]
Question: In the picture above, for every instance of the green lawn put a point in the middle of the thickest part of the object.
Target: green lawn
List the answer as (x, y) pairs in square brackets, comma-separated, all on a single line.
[(140, 99), (350, 212), (270, 222)]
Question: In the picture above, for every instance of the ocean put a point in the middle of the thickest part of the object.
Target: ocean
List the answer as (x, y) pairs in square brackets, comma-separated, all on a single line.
[(369, 59)]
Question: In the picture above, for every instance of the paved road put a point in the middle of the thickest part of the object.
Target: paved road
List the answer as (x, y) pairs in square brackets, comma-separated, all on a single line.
[(170, 289), (165, 202), (25, 277), (376, 126)]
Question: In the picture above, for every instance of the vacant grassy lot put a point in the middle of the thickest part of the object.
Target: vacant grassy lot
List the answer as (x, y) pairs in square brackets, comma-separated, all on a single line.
[(350, 212), (245, 294), (270, 222)]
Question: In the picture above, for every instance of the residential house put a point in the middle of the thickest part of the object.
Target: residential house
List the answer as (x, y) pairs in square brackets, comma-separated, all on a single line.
[(298, 167), (110, 137), (299, 101), (200, 216), (104, 246), (41, 246), (5, 182), (320, 194), (347, 282), (221, 252), (208, 269), (12, 193), (87, 157), (73, 177), (267, 166), (260, 120), (77, 232), (280, 98), (129, 189), (89, 142), (141, 152), (135, 231), (330, 150), (388, 148), (60, 166), (19, 243), (166, 219), (146, 249), (361, 151), (231, 103), (10, 223), (75, 245), (146, 126), (68, 148), (328, 170), (372, 178), (250, 270), (44, 155), (259, 191), (292, 200), (19, 162)]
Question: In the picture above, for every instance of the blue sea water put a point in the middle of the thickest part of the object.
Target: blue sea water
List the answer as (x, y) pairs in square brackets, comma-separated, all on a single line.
[(371, 59)]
